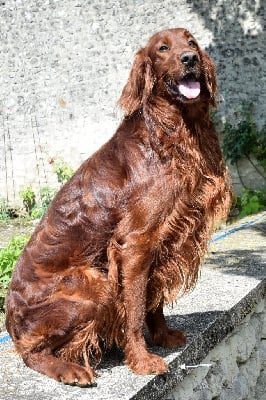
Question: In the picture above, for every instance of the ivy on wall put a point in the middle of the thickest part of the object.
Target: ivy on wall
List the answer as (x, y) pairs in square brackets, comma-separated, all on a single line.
[(243, 139)]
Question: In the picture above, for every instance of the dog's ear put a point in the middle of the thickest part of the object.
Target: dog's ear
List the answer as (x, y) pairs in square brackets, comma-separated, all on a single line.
[(139, 85), (210, 77)]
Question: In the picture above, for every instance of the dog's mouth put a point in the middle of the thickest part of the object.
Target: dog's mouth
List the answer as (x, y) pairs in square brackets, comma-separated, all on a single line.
[(186, 89)]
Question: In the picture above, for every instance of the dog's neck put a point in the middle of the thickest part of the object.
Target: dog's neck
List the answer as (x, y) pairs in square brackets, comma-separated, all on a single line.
[(172, 125), (171, 117)]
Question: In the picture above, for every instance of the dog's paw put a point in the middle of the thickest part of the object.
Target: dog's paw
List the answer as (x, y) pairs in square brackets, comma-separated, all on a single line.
[(74, 374), (147, 364)]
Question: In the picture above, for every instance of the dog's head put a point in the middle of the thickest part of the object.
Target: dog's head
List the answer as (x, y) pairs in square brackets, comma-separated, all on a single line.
[(172, 66)]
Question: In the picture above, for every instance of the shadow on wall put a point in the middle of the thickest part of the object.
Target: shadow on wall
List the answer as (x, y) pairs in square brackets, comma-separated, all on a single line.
[(238, 48)]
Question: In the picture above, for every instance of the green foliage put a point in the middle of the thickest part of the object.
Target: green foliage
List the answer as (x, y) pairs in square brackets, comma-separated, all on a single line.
[(7, 212), (46, 196), (62, 170), (260, 151), (4, 214), (251, 201), (243, 138), (29, 199), (36, 209), (8, 258), (10, 254)]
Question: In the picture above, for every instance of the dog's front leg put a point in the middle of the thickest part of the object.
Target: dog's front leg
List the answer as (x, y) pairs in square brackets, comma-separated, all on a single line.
[(135, 272)]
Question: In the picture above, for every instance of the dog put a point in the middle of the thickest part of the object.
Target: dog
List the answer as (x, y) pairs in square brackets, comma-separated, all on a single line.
[(127, 233)]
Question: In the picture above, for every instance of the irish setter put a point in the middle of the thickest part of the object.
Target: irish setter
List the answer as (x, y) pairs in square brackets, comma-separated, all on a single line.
[(127, 233)]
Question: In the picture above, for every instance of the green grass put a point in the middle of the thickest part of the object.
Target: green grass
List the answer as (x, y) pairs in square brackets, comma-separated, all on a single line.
[(8, 258)]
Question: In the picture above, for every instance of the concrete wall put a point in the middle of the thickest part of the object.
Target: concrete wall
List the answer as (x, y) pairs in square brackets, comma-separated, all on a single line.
[(235, 369), (63, 65)]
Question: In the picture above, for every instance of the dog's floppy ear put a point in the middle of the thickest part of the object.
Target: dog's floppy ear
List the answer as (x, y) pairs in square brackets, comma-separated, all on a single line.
[(210, 76), (139, 85)]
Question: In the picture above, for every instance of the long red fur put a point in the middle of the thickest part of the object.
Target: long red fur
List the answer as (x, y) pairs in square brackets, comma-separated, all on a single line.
[(127, 233)]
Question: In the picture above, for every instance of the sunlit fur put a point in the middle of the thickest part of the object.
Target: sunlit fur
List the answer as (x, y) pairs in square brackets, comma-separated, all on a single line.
[(127, 233)]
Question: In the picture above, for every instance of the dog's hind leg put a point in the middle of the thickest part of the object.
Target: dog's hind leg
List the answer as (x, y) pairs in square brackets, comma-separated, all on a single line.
[(160, 334)]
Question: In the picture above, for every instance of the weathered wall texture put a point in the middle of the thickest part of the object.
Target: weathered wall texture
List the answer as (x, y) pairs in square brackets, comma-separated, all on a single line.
[(234, 369), (63, 65)]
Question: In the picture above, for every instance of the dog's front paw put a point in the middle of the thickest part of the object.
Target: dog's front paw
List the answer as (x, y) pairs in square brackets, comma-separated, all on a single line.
[(147, 364), (73, 374)]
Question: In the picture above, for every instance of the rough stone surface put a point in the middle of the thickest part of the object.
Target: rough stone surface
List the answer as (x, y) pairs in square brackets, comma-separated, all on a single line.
[(63, 65), (223, 320), (236, 366)]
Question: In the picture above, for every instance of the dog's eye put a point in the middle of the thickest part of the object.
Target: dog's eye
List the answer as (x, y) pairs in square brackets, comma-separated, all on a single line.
[(192, 43), (163, 48)]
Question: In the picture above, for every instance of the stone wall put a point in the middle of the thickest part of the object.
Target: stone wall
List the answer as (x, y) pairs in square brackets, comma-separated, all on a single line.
[(63, 65), (235, 369)]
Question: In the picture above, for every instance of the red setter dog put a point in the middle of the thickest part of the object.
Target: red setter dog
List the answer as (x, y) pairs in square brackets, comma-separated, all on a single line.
[(127, 233)]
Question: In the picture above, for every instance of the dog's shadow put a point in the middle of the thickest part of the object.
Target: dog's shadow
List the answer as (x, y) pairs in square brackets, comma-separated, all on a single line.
[(192, 324)]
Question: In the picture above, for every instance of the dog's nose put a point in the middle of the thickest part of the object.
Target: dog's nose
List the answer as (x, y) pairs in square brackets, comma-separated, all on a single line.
[(189, 58)]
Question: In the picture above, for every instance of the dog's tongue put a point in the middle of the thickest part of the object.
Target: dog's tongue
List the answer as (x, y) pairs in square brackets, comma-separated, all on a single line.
[(189, 89)]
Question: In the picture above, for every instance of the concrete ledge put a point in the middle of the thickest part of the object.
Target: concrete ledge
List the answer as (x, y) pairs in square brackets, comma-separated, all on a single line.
[(231, 285)]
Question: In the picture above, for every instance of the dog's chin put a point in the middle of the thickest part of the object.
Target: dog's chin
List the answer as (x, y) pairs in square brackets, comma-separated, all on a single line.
[(186, 90)]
